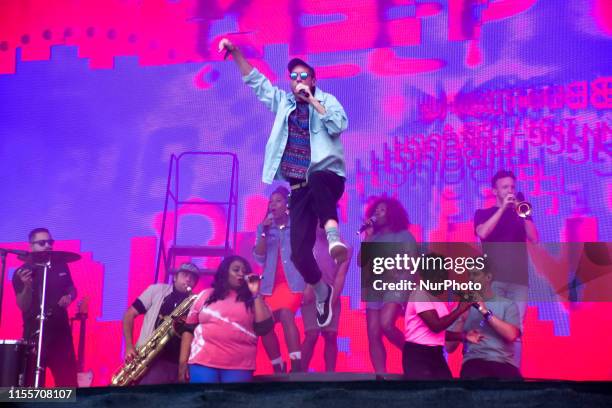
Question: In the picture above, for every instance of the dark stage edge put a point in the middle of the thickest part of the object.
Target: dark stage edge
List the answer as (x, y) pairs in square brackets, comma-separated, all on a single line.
[(347, 389)]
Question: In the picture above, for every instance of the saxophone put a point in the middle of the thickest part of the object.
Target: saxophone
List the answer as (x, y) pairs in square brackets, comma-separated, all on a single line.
[(132, 371)]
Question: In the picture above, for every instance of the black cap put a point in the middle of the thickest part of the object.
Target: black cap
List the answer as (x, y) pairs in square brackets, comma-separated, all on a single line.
[(297, 61)]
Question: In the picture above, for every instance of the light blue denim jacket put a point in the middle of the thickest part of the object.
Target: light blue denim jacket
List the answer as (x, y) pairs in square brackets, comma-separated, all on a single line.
[(326, 152), (276, 238)]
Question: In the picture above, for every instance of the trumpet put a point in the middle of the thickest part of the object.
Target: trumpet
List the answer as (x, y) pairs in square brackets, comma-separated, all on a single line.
[(523, 208)]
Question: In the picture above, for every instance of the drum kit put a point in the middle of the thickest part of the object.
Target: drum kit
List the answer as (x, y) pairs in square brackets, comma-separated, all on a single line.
[(22, 358)]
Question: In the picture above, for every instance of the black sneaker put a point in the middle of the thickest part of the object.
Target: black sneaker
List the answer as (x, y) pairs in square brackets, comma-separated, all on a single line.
[(296, 365), (279, 368), (324, 309)]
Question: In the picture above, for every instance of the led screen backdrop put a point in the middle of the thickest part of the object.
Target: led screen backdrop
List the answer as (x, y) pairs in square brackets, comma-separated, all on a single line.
[(96, 96)]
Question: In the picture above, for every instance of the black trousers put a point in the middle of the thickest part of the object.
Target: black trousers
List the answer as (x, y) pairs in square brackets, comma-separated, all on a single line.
[(424, 362), (478, 368), (58, 355), (309, 205)]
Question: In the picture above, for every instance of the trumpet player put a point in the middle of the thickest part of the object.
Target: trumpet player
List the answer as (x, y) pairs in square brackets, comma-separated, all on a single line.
[(157, 302), (504, 233)]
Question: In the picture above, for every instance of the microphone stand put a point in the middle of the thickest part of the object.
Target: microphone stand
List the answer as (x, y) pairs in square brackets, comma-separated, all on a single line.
[(41, 318)]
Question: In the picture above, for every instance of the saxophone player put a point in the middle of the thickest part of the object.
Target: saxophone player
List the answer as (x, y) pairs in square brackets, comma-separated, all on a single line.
[(157, 302)]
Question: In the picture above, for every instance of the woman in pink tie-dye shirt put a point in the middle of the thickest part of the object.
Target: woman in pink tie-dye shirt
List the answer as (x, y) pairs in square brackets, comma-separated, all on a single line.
[(220, 343)]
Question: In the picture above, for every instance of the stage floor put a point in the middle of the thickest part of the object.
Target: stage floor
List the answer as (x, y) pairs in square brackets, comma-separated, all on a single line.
[(324, 390)]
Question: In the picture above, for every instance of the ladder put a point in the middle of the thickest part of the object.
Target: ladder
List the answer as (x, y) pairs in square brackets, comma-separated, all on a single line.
[(174, 201)]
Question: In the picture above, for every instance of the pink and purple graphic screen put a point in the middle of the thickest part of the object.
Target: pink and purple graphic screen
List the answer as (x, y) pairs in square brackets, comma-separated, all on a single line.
[(96, 97)]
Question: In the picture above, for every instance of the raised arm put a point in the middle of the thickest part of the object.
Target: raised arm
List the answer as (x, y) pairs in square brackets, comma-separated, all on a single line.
[(244, 66), (267, 93), (261, 242)]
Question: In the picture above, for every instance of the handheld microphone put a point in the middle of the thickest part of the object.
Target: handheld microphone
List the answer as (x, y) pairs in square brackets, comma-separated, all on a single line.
[(303, 93), (270, 217), (253, 278), (369, 222)]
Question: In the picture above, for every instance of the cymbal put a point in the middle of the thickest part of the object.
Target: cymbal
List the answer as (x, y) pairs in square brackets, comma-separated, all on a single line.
[(53, 256)]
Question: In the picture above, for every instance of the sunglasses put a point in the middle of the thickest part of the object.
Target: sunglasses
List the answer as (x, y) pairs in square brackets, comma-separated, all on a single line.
[(303, 75), (43, 242)]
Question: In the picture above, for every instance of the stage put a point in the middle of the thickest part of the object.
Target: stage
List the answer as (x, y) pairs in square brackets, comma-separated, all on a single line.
[(357, 390), (138, 144)]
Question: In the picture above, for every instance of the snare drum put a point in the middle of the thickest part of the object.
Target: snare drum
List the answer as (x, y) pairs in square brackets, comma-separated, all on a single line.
[(16, 357)]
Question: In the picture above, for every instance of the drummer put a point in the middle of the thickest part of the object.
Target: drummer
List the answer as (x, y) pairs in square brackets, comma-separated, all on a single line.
[(57, 351)]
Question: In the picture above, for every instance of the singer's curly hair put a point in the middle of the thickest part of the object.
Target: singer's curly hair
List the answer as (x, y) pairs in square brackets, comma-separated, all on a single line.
[(397, 217)]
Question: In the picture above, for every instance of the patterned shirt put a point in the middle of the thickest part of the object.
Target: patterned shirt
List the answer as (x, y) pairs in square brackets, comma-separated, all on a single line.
[(296, 157), (325, 144)]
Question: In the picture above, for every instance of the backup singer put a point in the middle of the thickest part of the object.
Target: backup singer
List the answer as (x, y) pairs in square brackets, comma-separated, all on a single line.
[(304, 148), (282, 284), (390, 225), (220, 343)]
